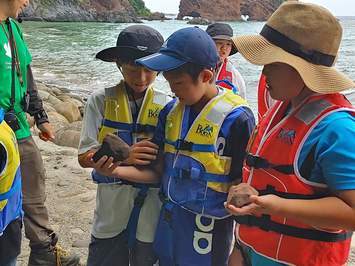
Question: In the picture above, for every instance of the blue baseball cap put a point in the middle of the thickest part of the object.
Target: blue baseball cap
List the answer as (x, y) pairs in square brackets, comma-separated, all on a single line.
[(188, 45)]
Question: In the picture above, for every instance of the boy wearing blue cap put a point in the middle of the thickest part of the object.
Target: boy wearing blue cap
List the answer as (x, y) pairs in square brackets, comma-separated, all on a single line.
[(203, 139), (126, 213)]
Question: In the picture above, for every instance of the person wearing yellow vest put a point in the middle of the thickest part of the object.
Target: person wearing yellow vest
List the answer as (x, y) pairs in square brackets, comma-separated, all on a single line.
[(10, 195), (299, 172), (126, 213), (202, 135), (18, 96)]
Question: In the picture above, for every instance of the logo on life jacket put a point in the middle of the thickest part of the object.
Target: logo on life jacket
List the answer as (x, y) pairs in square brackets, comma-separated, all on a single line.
[(287, 135), (205, 131), (153, 113)]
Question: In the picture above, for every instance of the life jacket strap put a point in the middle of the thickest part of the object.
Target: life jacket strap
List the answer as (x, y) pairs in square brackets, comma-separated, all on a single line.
[(134, 128), (265, 223), (261, 163), (184, 145), (196, 174), (286, 195)]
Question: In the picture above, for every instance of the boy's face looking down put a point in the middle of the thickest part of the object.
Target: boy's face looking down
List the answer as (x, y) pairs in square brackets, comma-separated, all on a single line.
[(137, 77), (224, 48), (189, 89), (283, 81)]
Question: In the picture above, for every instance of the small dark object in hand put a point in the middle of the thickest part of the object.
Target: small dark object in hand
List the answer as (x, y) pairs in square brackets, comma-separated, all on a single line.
[(112, 146), (240, 200)]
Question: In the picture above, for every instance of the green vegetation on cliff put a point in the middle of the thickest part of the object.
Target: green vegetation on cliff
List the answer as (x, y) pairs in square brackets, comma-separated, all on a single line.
[(140, 7)]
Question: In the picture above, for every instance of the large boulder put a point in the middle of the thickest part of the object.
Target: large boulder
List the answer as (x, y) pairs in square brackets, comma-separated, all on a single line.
[(69, 110)]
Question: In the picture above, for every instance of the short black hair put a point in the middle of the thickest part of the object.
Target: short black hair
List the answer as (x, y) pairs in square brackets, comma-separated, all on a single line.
[(193, 70)]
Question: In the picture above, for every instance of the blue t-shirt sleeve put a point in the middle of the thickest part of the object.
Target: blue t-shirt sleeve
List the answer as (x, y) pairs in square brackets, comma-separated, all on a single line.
[(334, 155), (236, 130)]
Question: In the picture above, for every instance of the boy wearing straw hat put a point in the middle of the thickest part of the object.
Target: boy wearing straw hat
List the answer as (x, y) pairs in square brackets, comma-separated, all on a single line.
[(299, 172)]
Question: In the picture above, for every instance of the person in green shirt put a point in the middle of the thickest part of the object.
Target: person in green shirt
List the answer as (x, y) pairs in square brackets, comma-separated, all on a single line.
[(19, 95)]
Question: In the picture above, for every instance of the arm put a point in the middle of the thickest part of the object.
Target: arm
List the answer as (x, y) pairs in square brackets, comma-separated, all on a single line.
[(35, 109), (334, 165)]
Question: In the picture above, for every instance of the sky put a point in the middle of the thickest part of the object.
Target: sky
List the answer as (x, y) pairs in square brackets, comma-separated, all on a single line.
[(337, 7)]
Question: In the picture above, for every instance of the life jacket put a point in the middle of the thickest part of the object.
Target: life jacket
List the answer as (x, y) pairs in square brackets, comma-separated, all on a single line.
[(225, 77), (196, 175), (10, 177), (118, 119), (264, 100), (271, 167)]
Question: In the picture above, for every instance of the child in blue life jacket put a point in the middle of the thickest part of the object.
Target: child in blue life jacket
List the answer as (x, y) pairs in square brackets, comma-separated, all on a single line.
[(10, 195), (227, 76), (126, 213), (299, 174), (202, 135)]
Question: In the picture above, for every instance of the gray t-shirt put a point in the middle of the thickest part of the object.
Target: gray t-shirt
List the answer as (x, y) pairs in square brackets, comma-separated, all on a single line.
[(114, 202)]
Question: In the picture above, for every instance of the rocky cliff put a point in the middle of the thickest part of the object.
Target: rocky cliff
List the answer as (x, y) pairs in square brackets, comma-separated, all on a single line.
[(228, 10), (86, 10)]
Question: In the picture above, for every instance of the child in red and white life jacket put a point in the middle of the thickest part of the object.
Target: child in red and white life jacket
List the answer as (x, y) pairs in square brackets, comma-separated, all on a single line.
[(228, 76), (299, 173)]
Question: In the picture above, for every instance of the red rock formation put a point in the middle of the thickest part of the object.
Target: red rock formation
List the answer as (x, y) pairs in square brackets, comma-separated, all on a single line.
[(211, 10), (228, 10)]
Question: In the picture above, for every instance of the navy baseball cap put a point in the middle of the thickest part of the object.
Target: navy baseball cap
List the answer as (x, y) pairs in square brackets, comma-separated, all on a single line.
[(188, 45)]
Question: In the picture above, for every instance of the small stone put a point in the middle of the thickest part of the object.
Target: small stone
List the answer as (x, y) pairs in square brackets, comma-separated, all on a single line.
[(62, 183), (55, 167)]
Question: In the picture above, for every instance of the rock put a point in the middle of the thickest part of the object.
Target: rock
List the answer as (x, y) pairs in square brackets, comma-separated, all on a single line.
[(69, 110), (57, 120), (241, 195), (198, 21), (112, 146), (67, 137), (53, 100), (44, 95), (224, 10), (48, 107)]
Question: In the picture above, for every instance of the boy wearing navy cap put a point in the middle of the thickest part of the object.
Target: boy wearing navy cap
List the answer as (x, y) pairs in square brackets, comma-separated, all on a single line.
[(126, 213), (202, 138)]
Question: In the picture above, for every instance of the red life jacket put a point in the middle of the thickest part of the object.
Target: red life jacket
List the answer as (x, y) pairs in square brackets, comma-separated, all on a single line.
[(225, 74), (264, 99), (272, 168)]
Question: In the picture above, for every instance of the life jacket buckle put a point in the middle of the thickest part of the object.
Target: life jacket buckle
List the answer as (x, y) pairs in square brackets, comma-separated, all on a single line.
[(184, 145), (257, 162)]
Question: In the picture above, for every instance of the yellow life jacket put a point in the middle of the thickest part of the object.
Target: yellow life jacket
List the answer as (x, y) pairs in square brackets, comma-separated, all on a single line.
[(196, 174), (8, 174), (118, 117)]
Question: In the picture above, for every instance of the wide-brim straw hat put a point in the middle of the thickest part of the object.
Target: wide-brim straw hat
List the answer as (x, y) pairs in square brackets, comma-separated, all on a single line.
[(304, 36)]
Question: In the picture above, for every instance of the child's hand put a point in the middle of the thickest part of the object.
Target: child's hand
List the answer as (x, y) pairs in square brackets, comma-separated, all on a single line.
[(85, 159), (105, 166), (142, 153), (267, 204)]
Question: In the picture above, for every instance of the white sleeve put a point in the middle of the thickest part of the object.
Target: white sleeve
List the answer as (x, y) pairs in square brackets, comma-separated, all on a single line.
[(239, 81), (92, 120)]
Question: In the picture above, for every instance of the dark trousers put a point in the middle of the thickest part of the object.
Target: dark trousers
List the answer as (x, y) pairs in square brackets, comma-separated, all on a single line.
[(10, 243), (114, 251), (36, 223)]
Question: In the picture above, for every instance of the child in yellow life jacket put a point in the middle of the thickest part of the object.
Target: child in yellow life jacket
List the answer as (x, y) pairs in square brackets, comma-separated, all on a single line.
[(126, 213), (202, 141), (10, 195), (300, 166)]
